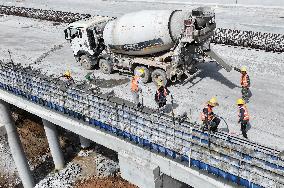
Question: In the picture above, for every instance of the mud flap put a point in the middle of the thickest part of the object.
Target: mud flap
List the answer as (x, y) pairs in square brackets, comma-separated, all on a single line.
[(219, 60)]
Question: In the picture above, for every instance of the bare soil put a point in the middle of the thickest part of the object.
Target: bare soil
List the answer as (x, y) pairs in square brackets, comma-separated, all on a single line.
[(111, 182)]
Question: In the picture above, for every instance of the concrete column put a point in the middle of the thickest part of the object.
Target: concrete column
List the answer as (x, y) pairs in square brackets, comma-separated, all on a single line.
[(138, 171), (2, 130), (145, 174), (15, 146), (169, 182), (85, 143), (54, 145)]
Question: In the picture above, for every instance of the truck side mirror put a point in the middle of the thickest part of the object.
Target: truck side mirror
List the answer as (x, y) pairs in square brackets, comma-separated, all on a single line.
[(67, 35), (80, 34)]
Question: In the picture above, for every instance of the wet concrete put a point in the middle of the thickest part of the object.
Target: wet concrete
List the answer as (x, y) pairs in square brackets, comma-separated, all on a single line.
[(103, 83)]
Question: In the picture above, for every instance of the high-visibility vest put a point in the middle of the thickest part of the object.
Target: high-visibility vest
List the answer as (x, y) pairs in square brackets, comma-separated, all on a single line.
[(203, 115), (246, 114), (134, 83), (244, 80), (159, 93)]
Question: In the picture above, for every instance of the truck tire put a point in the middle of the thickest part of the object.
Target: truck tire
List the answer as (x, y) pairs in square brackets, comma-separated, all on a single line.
[(105, 66), (146, 76), (86, 62), (159, 74)]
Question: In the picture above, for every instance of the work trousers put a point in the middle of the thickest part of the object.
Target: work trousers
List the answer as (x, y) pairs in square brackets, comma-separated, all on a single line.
[(246, 93), (162, 103), (135, 97), (213, 124), (244, 128)]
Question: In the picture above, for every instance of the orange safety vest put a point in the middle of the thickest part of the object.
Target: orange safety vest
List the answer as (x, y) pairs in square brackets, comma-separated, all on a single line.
[(244, 80), (134, 83), (165, 93), (246, 114), (210, 116)]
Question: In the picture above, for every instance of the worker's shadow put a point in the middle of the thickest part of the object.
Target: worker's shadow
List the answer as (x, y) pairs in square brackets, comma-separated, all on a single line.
[(42, 170), (169, 107), (211, 70)]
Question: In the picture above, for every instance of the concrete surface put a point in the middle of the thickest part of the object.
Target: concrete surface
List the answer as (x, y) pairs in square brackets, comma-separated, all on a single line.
[(144, 174), (139, 172), (260, 17)]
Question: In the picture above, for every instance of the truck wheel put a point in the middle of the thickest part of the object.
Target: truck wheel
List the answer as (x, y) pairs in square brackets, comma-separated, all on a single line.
[(105, 66), (146, 76), (86, 62), (158, 75)]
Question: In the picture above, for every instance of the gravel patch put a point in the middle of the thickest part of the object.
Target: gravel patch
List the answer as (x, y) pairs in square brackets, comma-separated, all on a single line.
[(105, 167), (65, 178)]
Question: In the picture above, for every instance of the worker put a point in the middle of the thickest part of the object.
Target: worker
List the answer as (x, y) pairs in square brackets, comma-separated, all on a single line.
[(136, 89), (68, 79), (161, 95), (91, 80), (245, 83), (243, 117), (209, 119)]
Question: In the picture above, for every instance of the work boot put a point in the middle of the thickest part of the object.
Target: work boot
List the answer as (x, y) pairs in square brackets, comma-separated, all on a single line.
[(139, 105)]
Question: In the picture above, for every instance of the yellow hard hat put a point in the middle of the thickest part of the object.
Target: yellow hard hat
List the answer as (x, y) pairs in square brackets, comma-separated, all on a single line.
[(67, 73), (243, 69), (159, 83), (213, 102), (139, 72), (240, 101)]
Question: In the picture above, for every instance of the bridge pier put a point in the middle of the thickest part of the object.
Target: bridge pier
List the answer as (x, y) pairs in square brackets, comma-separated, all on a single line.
[(2, 130), (85, 143), (15, 146), (54, 144), (139, 171), (145, 174)]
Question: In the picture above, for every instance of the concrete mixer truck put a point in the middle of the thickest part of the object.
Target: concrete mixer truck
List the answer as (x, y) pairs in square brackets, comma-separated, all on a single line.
[(165, 43)]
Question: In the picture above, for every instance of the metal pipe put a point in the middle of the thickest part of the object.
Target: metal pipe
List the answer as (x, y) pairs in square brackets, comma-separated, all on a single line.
[(53, 141), (15, 146)]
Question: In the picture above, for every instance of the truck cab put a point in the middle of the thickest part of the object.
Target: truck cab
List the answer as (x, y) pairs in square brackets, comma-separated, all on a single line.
[(85, 37)]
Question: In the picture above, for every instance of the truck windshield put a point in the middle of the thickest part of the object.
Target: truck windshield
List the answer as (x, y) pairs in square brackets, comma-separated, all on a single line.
[(91, 38), (71, 33)]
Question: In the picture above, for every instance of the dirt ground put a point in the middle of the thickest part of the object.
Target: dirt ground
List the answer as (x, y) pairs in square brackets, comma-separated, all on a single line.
[(32, 135), (111, 182)]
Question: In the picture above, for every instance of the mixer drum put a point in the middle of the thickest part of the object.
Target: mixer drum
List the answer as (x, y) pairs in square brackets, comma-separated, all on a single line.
[(145, 32)]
